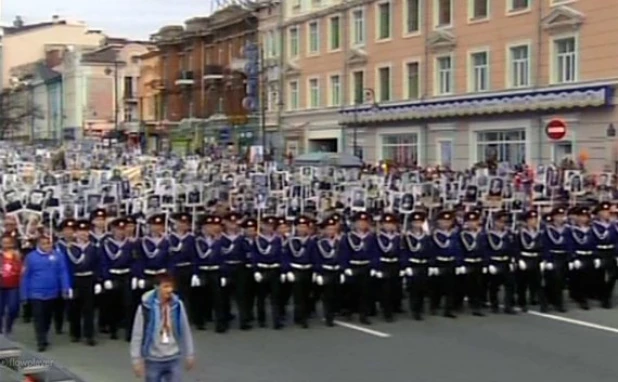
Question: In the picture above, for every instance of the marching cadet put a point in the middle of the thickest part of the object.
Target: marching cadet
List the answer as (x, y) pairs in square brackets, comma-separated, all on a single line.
[(605, 262), (67, 237), (359, 253), (266, 258), (445, 243), (582, 261), (182, 253), (234, 252), (473, 260), (530, 248), (154, 259), (209, 276), (98, 220), (388, 244), (328, 265), (249, 225), (84, 267), (284, 230), (117, 270), (299, 252), (500, 262), (416, 247), (555, 265)]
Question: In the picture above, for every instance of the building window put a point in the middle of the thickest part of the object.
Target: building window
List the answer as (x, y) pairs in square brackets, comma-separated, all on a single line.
[(479, 75), (519, 66), (358, 86), (358, 27), (413, 16), (502, 146), (413, 80), (400, 148), (565, 60), (335, 90), (273, 42), (314, 37), (314, 93), (294, 96), (384, 86), (384, 21), (273, 98), (518, 5), (480, 9), (294, 40), (129, 90), (335, 33), (444, 80), (444, 13)]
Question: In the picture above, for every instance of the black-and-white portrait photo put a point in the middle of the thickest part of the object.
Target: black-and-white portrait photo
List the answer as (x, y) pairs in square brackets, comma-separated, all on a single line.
[(496, 187), (153, 202), (93, 201), (359, 199), (407, 203), (471, 194), (194, 195)]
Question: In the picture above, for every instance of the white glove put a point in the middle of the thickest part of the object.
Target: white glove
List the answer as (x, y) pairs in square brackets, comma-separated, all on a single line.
[(141, 284), (348, 272), (290, 277), (223, 282), (484, 270), (372, 273), (108, 285), (433, 271), (314, 277), (577, 264), (460, 270), (542, 266), (257, 276), (597, 263), (70, 294), (549, 266), (409, 272), (319, 280), (341, 279), (97, 289), (571, 266), (283, 278), (379, 275), (195, 281), (492, 270), (134, 283), (402, 273), (522, 265), (512, 267)]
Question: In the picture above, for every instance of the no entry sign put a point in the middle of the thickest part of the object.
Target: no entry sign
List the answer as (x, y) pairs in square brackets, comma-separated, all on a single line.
[(556, 129)]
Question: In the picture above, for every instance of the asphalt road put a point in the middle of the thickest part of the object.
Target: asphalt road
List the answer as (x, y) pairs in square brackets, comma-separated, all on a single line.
[(496, 348)]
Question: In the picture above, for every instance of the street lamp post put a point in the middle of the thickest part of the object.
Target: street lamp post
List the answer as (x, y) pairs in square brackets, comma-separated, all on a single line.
[(368, 93)]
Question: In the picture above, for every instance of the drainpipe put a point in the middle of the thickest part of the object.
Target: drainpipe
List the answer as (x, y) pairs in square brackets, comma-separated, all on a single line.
[(279, 151), (537, 78), (426, 74), (345, 40)]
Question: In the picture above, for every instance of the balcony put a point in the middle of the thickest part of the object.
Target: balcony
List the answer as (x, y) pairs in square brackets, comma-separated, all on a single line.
[(213, 72), (130, 97), (185, 78)]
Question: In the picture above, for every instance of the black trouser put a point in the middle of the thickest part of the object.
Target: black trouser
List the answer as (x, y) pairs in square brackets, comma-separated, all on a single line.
[(503, 278), (358, 291), (388, 289), (583, 280), (607, 277), (301, 292), (285, 296), (555, 281), (42, 311), (236, 289), (329, 292), (59, 313), (208, 297), (118, 302), (251, 290), (529, 282), (81, 307), (474, 286), (27, 310), (418, 289), (269, 286), (444, 286), (182, 280)]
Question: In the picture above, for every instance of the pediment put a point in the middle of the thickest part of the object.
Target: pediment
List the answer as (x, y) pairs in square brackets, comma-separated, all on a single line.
[(291, 69), (562, 18), (357, 57), (442, 40)]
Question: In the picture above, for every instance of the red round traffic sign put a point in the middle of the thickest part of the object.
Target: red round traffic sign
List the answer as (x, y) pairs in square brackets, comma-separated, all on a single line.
[(556, 129)]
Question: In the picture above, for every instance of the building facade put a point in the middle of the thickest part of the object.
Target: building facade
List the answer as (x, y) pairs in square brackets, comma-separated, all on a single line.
[(429, 82), (151, 103)]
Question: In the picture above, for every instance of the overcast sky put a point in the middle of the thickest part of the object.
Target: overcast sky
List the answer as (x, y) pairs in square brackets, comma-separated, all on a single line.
[(118, 18)]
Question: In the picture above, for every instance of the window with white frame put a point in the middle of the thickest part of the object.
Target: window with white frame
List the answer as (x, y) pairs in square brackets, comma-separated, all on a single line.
[(274, 45), (402, 149), (502, 146), (358, 86), (358, 27), (268, 41), (565, 60), (314, 93), (273, 98), (384, 20), (444, 12), (412, 16), (314, 37), (294, 95), (413, 90), (444, 75), (479, 71), (335, 33), (384, 84), (294, 41), (519, 57), (518, 5), (480, 9), (335, 90)]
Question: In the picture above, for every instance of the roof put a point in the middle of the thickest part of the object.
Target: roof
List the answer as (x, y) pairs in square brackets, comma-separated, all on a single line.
[(46, 73), (32, 27), (105, 55)]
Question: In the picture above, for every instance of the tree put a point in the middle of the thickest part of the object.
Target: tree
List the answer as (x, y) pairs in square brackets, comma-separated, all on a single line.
[(17, 111)]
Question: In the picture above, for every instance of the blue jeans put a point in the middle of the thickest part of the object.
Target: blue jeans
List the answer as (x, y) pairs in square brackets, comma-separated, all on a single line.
[(164, 371), (9, 308)]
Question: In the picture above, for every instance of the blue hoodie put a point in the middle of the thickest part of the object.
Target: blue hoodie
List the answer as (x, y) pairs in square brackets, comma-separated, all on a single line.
[(45, 276)]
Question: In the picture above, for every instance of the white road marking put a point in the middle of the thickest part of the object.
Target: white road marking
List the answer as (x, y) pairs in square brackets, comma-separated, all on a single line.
[(573, 321), (362, 329)]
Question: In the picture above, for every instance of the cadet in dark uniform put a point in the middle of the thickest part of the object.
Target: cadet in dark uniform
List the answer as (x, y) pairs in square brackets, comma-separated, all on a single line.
[(67, 237), (98, 232), (445, 243), (582, 262), (154, 259), (605, 263), (299, 253), (473, 261), (117, 272), (416, 247), (530, 247), (555, 265), (328, 266), (501, 263), (84, 266), (283, 229), (388, 244), (249, 226), (182, 253)]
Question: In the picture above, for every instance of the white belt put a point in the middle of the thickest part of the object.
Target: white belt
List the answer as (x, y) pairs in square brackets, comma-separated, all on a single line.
[(530, 254), (417, 261), (389, 259), (583, 253), (331, 267), (605, 246), (83, 274), (233, 262), (499, 258), (473, 260), (268, 266), (208, 267), (440, 258), (301, 266), (557, 252), (119, 271), (154, 272), (183, 264), (359, 262)]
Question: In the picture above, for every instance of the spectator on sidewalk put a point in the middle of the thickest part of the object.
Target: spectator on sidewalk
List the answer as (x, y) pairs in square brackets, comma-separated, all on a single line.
[(10, 275)]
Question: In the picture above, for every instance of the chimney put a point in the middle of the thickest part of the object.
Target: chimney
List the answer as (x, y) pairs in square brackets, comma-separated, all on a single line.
[(55, 19), (18, 22)]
